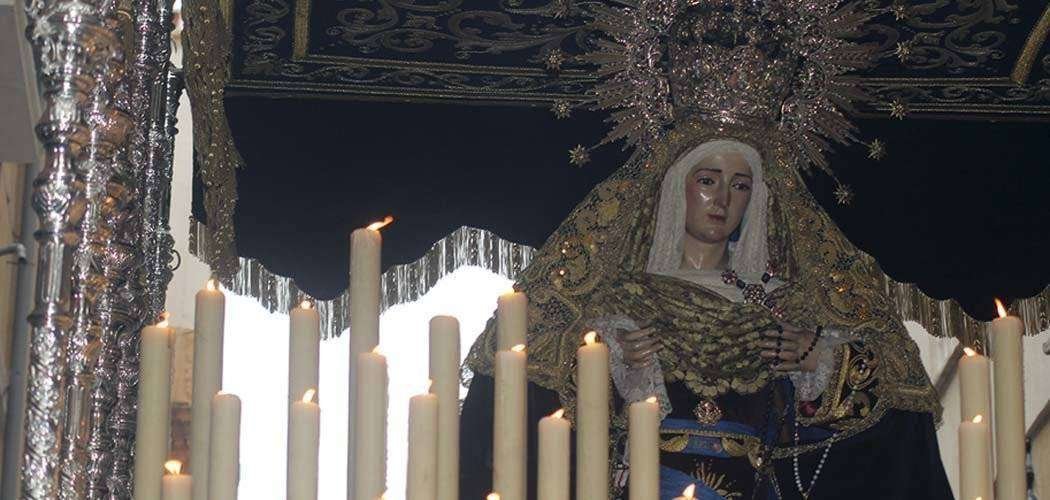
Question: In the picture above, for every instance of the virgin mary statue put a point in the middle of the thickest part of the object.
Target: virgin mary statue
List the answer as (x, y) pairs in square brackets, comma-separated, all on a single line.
[(718, 282)]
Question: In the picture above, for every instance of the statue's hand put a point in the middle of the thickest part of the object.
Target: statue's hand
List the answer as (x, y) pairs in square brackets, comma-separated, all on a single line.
[(785, 348), (640, 347)]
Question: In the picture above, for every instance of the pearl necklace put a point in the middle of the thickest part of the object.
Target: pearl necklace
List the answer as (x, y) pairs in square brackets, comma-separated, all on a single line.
[(816, 473)]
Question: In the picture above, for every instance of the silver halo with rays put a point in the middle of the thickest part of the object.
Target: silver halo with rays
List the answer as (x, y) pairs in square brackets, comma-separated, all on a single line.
[(779, 66)]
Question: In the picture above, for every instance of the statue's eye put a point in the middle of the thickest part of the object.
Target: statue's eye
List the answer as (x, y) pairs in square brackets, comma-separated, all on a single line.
[(705, 181)]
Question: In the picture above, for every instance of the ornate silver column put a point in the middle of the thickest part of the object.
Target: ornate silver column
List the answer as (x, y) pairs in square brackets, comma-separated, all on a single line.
[(145, 231), (69, 37), (157, 196), (108, 129), (119, 260)]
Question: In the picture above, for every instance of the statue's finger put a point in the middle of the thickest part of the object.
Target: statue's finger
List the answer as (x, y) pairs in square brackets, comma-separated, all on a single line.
[(646, 353), (789, 335), (640, 345), (637, 334)]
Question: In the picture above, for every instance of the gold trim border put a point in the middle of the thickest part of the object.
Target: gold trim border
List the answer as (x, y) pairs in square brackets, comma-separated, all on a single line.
[(301, 34), (1032, 46)]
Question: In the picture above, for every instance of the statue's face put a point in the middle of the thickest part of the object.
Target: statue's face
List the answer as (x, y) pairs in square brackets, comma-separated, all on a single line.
[(717, 191)]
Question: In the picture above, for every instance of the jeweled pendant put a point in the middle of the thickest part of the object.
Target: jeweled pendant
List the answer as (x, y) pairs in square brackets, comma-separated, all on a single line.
[(707, 412)]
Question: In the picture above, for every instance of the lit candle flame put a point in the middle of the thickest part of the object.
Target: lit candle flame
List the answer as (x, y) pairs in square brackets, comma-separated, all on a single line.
[(211, 286), (1002, 309), (977, 419), (688, 491), (518, 348), (559, 414), (163, 323), (969, 352), (591, 337), (376, 226), (375, 350), (430, 385), (651, 399), (308, 396), (174, 467), (492, 496), (306, 304)]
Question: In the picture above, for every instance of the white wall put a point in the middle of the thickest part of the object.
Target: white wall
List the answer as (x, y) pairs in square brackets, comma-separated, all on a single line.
[(192, 273), (936, 353)]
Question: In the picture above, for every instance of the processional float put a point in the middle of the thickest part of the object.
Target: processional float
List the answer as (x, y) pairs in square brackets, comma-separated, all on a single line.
[(104, 250)]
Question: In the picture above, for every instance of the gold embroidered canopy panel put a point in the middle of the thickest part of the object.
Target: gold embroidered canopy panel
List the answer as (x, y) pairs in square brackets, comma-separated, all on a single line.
[(979, 58)]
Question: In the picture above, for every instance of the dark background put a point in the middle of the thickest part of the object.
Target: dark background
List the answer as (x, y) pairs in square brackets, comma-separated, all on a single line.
[(960, 208)]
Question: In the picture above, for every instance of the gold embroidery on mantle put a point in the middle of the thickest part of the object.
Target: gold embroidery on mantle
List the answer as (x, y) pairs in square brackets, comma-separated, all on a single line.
[(593, 266), (718, 482)]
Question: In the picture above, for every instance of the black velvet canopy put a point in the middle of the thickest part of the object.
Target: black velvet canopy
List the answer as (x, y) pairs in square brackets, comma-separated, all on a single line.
[(957, 207), (441, 117)]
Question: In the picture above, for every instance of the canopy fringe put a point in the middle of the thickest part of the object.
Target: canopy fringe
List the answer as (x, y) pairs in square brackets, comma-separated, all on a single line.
[(466, 246), (469, 246), (945, 318)]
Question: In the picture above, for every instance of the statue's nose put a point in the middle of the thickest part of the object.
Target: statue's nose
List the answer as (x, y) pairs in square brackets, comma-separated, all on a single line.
[(722, 198)]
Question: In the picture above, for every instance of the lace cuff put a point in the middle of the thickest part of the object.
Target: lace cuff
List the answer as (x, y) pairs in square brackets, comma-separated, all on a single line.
[(810, 385), (633, 384)]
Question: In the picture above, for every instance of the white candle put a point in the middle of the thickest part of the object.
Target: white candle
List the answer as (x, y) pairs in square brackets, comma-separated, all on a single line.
[(975, 385), (592, 419), (225, 450), (422, 448), (687, 494), (370, 426), (643, 437), (177, 486), (509, 420), (511, 323), (976, 394), (553, 480), (304, 350), (207, 379), (366, 247), (444, 372), (974, 458), (1008, 366), (154, 411), (304, 438)]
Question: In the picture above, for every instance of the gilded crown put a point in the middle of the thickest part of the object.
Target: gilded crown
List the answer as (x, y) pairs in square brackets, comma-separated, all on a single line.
[(726, 64)]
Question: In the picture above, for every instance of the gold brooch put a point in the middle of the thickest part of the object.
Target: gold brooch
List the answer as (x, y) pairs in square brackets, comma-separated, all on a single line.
[(707, 412)]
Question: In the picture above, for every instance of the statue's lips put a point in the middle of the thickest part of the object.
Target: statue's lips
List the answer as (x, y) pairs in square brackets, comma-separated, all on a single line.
[(717, 218)]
